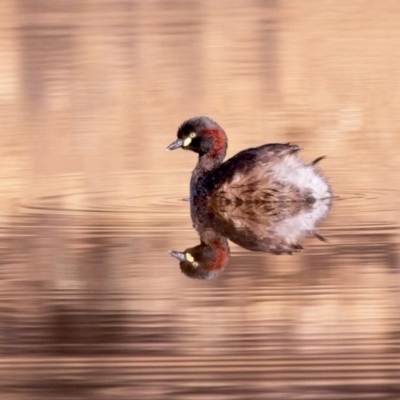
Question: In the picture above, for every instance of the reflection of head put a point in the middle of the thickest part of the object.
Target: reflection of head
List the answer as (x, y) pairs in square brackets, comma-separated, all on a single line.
[(205, 261)]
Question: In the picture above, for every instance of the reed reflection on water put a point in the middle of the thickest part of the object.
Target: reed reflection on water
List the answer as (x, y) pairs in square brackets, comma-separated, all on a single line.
[(91, 304)]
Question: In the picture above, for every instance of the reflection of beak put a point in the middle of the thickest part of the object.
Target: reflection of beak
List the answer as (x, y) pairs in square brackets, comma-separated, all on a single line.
[(175, 145), (177, 254)]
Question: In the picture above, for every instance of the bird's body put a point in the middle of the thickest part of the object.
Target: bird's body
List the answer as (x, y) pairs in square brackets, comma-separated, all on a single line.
[(268, 173)]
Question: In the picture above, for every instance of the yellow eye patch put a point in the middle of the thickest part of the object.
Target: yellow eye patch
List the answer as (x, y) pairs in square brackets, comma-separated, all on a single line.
[(189, 257), (188, 140)]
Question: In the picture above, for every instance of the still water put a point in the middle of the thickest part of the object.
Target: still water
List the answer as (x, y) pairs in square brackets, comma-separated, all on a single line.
[(92, 306)]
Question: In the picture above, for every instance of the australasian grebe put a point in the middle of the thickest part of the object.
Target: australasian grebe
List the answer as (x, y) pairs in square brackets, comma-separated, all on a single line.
[(271, 172)]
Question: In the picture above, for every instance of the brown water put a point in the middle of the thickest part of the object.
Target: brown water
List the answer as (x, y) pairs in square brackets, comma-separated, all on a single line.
[(91, 304)]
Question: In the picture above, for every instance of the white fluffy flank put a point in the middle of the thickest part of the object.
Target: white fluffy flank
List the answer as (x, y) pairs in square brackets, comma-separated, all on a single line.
[(294, 228), (292, 170)]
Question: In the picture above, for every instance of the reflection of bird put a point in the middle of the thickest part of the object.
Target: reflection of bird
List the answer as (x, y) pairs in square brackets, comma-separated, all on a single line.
[(270, 227), (271, 172)]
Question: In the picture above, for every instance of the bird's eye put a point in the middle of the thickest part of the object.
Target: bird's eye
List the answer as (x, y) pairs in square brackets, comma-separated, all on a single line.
[(195, 264), (192, 134)]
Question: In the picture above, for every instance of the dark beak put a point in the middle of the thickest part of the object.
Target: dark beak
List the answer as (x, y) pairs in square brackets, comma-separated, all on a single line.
[(175, 145), (178, 255)]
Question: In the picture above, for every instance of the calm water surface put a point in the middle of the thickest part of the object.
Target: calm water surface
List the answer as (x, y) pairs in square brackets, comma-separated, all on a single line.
[(92, 306)]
